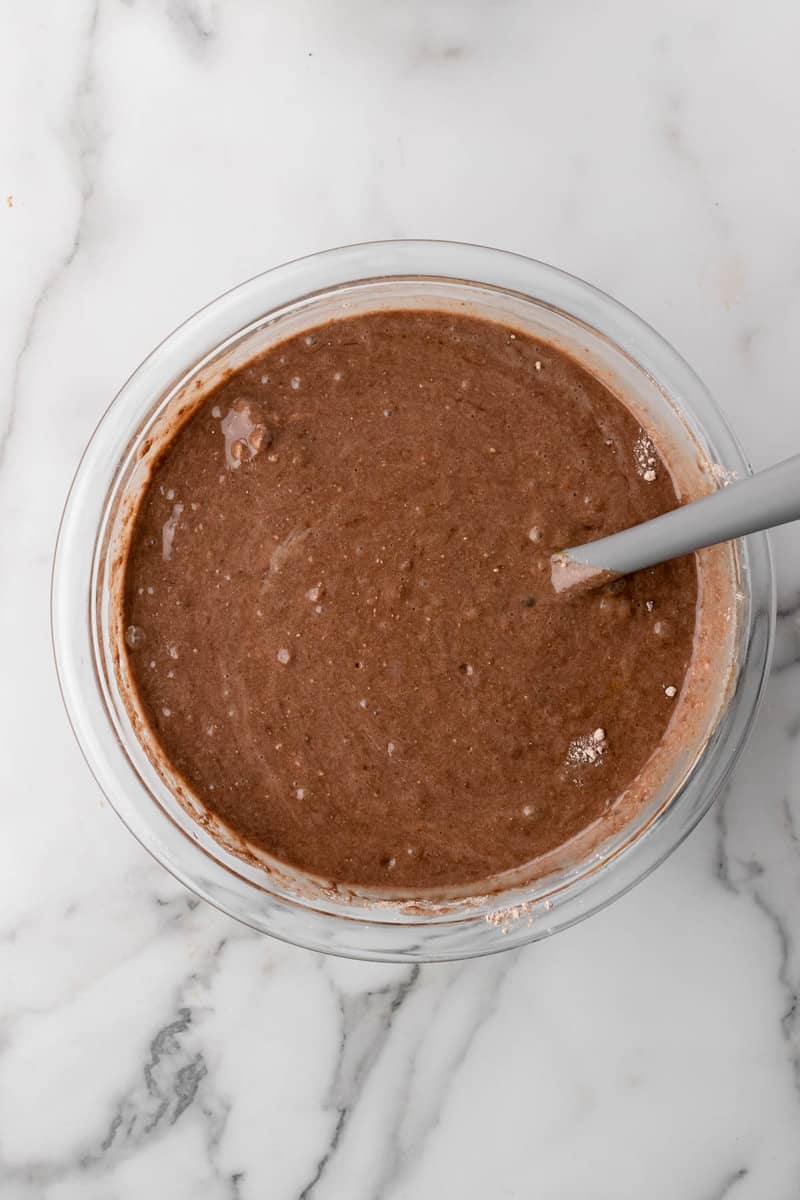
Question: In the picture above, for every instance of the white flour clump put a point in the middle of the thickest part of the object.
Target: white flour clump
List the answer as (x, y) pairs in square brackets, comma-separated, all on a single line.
[(722, 476), (244, 435), (134, 637), (587, 750), (644, 452), (168, 532)]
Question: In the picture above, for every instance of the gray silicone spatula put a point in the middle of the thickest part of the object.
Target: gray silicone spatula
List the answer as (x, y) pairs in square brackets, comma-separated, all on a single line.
[(760, 502)]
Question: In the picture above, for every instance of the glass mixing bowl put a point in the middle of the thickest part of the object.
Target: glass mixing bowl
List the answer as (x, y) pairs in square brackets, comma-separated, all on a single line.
[(635, 362)]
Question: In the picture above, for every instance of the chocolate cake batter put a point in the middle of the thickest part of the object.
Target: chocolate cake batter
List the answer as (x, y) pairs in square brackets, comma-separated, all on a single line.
[(338, 609)]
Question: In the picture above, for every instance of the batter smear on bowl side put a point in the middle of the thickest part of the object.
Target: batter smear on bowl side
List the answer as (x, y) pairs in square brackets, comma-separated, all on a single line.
[(337, 605)]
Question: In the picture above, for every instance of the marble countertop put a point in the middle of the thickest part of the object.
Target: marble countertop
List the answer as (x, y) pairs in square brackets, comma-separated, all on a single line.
[(162, 150)]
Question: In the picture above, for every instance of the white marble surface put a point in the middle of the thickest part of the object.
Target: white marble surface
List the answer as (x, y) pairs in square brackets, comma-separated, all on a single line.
[(156, 152)]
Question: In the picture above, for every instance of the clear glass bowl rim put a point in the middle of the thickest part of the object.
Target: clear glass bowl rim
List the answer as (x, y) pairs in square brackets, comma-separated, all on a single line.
[(342, 932)]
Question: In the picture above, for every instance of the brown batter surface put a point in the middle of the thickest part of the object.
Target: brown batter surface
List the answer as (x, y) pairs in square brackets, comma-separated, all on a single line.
[(338, 609)]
